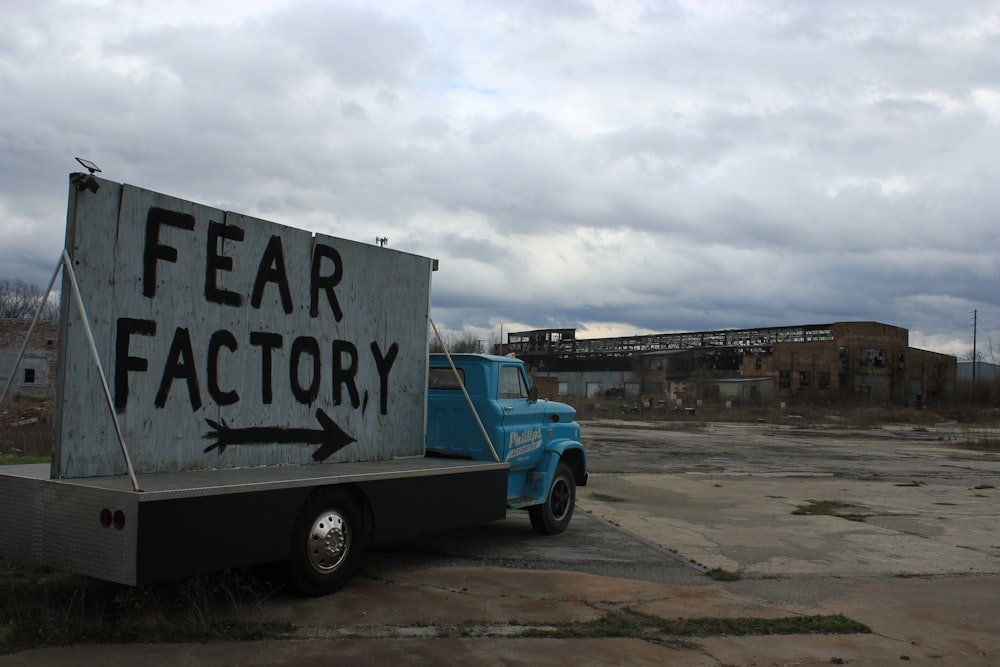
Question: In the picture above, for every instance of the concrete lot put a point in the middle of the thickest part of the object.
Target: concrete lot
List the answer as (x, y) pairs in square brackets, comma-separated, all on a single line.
[(725, 496), (919, 563)]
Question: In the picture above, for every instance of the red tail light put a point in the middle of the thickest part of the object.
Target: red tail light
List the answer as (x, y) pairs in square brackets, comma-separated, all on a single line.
[(116, 519)]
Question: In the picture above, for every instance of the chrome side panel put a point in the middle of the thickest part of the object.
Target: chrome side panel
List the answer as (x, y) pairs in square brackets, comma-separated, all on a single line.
[(53, 523)]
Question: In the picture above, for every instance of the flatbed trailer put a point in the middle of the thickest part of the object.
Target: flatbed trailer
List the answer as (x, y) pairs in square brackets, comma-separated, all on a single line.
[(187, 523)]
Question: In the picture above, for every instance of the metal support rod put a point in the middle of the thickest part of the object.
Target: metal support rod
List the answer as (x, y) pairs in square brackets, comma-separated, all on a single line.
[(464, 392), (100, 369)]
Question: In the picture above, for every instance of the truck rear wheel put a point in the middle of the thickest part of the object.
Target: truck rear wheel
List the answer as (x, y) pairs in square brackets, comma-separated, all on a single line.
[(553, 516), (326, 543)]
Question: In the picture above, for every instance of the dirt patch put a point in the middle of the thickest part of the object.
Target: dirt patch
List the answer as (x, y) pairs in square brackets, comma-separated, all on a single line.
[(831, 508)]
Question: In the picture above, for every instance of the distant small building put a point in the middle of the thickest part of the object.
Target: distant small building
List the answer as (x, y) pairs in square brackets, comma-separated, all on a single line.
[(36, 374), (868, 362), (980, 370)]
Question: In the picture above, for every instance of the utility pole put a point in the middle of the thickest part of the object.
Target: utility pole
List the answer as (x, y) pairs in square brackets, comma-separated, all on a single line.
[(974, 316)]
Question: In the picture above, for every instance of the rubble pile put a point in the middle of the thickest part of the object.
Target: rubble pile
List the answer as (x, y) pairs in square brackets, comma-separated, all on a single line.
[(15, 416)]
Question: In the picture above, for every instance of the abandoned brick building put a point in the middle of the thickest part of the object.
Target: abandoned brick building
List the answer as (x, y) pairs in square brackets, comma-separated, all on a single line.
[(36, 374), (862, 362)]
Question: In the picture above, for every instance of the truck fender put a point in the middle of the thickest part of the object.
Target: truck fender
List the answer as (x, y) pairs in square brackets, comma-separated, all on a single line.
[(570, 451)]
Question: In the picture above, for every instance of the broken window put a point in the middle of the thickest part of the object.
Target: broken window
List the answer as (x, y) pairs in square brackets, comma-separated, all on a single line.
[(870, 356), (805, 378), (824, 380), (784, 379)]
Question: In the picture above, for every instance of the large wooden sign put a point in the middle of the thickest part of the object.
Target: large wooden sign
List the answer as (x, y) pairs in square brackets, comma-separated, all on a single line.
[(229, 341)]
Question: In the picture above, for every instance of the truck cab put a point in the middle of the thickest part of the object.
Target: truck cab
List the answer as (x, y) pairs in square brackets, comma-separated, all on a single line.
[(483, 407)]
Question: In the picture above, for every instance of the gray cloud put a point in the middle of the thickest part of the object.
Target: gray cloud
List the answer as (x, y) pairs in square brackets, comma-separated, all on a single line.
[(621, 167)]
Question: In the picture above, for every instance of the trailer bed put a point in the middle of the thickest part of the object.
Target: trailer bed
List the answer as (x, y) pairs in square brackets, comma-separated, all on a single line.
[(210, 482), (184, 523)]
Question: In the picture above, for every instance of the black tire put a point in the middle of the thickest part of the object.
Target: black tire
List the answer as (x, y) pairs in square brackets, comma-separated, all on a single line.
[(326, 543), (553, 516)]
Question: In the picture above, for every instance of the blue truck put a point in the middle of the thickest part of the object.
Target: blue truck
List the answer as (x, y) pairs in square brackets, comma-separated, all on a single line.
[(481, 409), (499, 416), (231, 392)]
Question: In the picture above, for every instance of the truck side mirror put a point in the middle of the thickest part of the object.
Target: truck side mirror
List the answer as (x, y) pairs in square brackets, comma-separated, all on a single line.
[(533, 394)]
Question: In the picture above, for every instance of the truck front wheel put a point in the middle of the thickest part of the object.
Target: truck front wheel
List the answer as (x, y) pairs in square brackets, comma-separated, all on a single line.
[(326, 543), (552, 516)]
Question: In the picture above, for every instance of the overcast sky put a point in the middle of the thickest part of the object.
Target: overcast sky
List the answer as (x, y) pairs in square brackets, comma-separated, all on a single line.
[(619, 167)]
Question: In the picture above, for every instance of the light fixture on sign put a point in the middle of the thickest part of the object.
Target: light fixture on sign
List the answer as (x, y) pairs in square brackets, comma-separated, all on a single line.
[(87, 182)]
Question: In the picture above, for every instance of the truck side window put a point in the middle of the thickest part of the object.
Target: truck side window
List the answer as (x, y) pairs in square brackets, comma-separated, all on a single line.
[(444, 378), (512, 383)]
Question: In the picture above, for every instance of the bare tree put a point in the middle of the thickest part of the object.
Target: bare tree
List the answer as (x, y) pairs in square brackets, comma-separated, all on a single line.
[(464, 343), (467, 342), (19, 300), (493, 343), (436, 346)]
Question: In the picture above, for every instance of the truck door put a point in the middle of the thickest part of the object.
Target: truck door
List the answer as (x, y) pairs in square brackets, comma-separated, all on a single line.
[(523, 420)]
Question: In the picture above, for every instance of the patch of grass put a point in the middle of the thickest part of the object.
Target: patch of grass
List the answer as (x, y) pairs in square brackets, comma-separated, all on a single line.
[(41, 608), (718, 574), (7, 460), (632, 624), (828, 508), (628, 624)]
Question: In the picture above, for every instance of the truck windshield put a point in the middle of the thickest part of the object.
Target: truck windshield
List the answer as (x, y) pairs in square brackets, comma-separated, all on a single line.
[(512, 383), (444, 378)]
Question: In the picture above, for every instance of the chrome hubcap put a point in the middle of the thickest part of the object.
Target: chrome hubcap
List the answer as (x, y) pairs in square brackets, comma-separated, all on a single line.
[(329, 542)]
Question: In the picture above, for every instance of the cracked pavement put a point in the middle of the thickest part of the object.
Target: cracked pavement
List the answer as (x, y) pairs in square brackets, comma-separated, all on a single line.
[(922, 569)]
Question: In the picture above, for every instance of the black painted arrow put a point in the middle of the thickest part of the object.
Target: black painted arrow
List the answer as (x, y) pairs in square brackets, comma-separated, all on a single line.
[(331, 437)]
